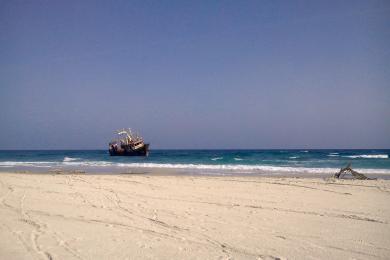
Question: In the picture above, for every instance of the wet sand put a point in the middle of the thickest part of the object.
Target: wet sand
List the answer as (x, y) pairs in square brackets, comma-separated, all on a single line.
[(138, 216)]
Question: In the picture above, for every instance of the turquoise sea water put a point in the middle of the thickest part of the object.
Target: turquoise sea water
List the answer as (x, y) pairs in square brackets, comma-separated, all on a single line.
[(203, 161)]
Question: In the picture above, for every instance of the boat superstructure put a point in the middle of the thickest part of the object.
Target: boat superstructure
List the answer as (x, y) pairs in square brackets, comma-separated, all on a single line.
[(128, 144)]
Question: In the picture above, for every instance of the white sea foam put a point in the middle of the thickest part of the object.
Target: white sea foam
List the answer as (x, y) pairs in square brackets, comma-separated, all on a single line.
[(241, 168), (293, 157), (89, 163), (35, 164), (238, 159), (216, 158), (305, 151), (51, 164), (369, 156), (246, 168), (231, 167), (69, 159)]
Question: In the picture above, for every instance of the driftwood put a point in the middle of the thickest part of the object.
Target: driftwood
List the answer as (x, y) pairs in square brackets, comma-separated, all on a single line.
[(354, 173)]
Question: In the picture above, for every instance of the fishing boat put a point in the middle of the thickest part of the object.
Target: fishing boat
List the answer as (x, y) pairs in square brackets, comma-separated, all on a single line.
[(128, 144)]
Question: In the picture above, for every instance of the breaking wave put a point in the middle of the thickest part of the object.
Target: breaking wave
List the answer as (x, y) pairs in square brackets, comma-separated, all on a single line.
[(90, 163), (31, 164), (69, 159), (197, 167), (369, 156), (246, 168), (236, 168)]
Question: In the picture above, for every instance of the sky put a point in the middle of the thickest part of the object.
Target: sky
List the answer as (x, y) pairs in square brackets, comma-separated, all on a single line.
[(195, 74)]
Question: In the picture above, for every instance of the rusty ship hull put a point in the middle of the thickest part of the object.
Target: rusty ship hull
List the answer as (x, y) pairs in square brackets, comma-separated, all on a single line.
[(126, 150)]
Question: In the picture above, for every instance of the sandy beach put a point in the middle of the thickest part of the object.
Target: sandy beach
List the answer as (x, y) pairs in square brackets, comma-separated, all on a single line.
[(81, 216)]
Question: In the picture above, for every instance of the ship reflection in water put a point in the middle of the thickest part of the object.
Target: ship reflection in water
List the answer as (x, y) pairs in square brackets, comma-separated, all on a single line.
[(128, 144)]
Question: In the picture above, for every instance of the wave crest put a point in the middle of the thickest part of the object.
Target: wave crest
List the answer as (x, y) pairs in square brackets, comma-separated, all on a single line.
[(247, 168), (238, 168), (369, 156), (69, 159)]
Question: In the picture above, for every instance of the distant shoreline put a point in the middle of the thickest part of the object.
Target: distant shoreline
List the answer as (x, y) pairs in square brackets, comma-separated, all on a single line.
[(177, 172)]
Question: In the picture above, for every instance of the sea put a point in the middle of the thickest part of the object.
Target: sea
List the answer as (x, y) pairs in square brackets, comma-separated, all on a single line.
[(297, 162)]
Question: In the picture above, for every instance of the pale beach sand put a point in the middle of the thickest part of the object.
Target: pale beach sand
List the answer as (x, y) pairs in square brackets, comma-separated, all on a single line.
[(80, 216)]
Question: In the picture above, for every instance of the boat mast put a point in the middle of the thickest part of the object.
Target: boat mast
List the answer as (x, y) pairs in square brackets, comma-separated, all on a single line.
[(127, 133)]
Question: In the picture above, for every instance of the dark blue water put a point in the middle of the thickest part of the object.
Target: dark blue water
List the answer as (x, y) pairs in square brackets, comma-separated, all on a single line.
[(238, 161)]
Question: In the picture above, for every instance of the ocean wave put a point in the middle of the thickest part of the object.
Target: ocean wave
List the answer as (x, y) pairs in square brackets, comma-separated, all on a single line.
[(247, 168), (238, 159), (293, 157), (28, 163), (53, 164), (216, 158), (89, 163), (305, 151), (238, 168), (69, 159), (231, 167), (369, 156)]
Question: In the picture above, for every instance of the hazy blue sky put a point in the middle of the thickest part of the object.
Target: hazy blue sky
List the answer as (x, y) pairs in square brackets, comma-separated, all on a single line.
[(195, 74)]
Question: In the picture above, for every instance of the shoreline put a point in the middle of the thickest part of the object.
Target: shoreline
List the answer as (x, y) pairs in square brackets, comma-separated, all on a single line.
[(179, 172), (143, 216)]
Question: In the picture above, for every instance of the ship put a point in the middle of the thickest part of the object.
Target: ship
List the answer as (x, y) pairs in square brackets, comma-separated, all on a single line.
[(128, 144)]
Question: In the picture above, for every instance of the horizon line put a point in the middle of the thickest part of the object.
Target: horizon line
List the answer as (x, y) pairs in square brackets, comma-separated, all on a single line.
[(203, 149)]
